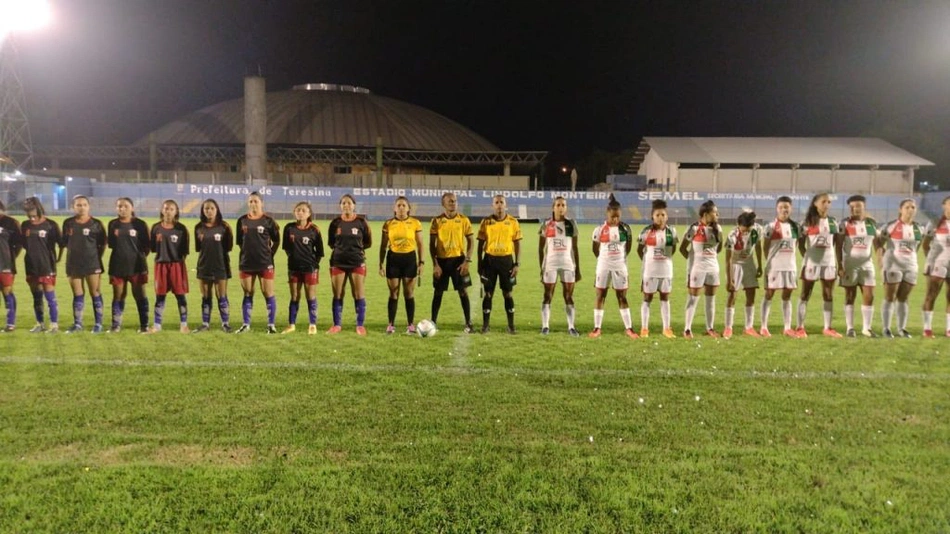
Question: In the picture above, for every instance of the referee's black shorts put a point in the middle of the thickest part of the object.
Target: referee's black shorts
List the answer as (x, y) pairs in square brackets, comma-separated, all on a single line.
[(497, 269), (401, 265), (450, 271)]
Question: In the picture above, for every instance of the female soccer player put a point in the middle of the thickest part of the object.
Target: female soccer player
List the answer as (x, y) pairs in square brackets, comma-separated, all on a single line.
[(401, 260), (10, 245), (40, 238), (817, 245), (169, 241), (899, 240), (937, 268), (349, 237), (213, 243), (856, 266), (258, 236), (612, 243), (778, 240), (84, 237), (700, 247), (743, 271), (304, 247), (127, 236), (557, 255), (656, 246), (499, 247)]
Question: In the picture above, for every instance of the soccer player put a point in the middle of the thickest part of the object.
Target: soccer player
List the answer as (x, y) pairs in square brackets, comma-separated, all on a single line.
[(557, 255), (303, 244), (40, 237), (499, 247), (84, 237), (401, 260), (258, 236), (613, 241), (743, 270), (817, 245), (656, 246), (937, 267), (349, 237), (169, 240), (899, 241), (700, 247), (450, 247), (213, 243), (778, 240), (127, 236), (854, 249), (10, 245)]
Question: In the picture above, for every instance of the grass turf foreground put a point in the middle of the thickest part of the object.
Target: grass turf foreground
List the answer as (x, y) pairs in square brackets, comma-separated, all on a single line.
[(255, 433)]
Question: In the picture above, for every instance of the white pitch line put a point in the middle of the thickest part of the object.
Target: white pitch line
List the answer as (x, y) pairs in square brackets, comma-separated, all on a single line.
[(460, 350)]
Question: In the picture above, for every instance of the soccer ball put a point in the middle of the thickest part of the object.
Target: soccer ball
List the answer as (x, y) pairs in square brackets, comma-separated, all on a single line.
[(426, 328)]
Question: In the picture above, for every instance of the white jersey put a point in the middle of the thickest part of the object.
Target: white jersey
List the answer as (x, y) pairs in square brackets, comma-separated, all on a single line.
[(820, 243), (613, 246), (939, 234), (856, 243), (900, 245), (781, 253), (558, 244), (660, 245), (704, 244), (743, 245)]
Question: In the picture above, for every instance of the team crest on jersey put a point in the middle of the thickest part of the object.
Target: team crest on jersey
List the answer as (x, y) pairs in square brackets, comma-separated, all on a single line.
[(217, 237), (133, 233), (174, 238), (42, 234), (306, 240), (85, 231), (354, 231), (260, 229)]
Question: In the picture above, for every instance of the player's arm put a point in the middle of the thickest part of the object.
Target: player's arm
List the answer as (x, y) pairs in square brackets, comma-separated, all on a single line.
[(801, 243), (274, 236), (839, 252), (228, 244), (317, 244), (143, 236), (719, 238), (517, 246), (420, 252), (684, 246), (541, 241), (383, 247), (185, 245), (628, 246), (577, 258), (640, 249), (62, 243), (240, 233), (928, 237), (367, 235), (758, 259), (101, 240), (729, 286), (110, 235)]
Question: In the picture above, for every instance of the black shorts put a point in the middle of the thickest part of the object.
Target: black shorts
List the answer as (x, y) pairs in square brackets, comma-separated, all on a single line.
[(497, 269), (401, 265), (450, 271)]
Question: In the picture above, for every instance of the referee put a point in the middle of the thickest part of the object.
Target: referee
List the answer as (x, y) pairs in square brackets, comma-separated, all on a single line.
[(499, 246)]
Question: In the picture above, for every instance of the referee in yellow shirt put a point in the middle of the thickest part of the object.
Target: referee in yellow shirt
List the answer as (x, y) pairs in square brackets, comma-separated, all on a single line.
[(499, 247), (402, 243), (450, 245)]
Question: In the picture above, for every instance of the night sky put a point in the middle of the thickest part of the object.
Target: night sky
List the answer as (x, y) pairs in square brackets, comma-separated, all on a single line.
[(566, 77)]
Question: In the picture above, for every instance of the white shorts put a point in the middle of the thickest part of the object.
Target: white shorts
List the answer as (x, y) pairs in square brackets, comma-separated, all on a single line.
[(699, 278), (859, 277), (813, 273), (742, 277), (567, 276), (937, 271), (781, 280), (896, 277), (654, 284), (618, 279)]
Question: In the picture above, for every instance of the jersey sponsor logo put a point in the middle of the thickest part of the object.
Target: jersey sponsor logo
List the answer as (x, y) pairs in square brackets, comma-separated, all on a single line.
[(821, 242), (559, 244), (859, 242)]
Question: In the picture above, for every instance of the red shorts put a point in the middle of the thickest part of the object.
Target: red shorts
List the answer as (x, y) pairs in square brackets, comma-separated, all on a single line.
[(136, 279), (361, 270), (267, 274), (309, 279), (171, 277), (45, 280), (6, 279)]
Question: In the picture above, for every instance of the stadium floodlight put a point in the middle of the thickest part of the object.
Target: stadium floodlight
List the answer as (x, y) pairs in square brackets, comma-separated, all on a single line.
[(22, 15)]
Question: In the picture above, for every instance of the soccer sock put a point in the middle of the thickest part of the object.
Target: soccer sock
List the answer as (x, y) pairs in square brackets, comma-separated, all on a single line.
[(391, 307), (437, 305), (10, 301), (826, 313), (644, 315), (205, 310), (97, 309), (598, 318), (466, 309), (118, 307), (486, 310), (625, 315), (79, 304), (787, 314), (337, 312), (867, 315), (928, 320), (569, 311), (903, 310), (38, 306), (142, 307), (545, 315), (749, 317), (730, 316), (665, 313), (849, 316), (53, 306), (510, 311), (766, 309), (312, 311), (411, 310), (886, 309), (292, 310), (360, 311), (802, 310), (691, 301), (246, 306), (271, 303), (159, 309), (710, 311), (224, 308), (182, 308)]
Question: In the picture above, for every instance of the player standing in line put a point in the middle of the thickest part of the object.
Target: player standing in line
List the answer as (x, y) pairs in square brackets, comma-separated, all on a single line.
[(303, 244), (899, 241), (656, 246), (778, 240), (817, 245), (40, 238), (127, 236), (349, 237), (450, 260), (499, 247), (613, 241), (213, 243), (84, 237), (701, 246), (169, 240), (558, 257), (937, 267), (10, 245), (402, 243), (743, 271), (258, 236), (854, 249)]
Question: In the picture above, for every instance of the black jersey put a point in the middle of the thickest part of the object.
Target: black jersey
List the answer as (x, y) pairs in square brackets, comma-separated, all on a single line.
[(39, 240), (170, 245), (130, 245), (84, 243), (259, 240), (304, 247), (10, 244), (349, 241), (213, 245)]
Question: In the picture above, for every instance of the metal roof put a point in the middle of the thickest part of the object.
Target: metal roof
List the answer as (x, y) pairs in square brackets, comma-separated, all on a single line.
[(783, 151), (327, 116)]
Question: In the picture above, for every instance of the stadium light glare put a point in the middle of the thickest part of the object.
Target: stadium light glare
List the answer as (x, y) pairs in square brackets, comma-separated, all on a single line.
[(23, 15)]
